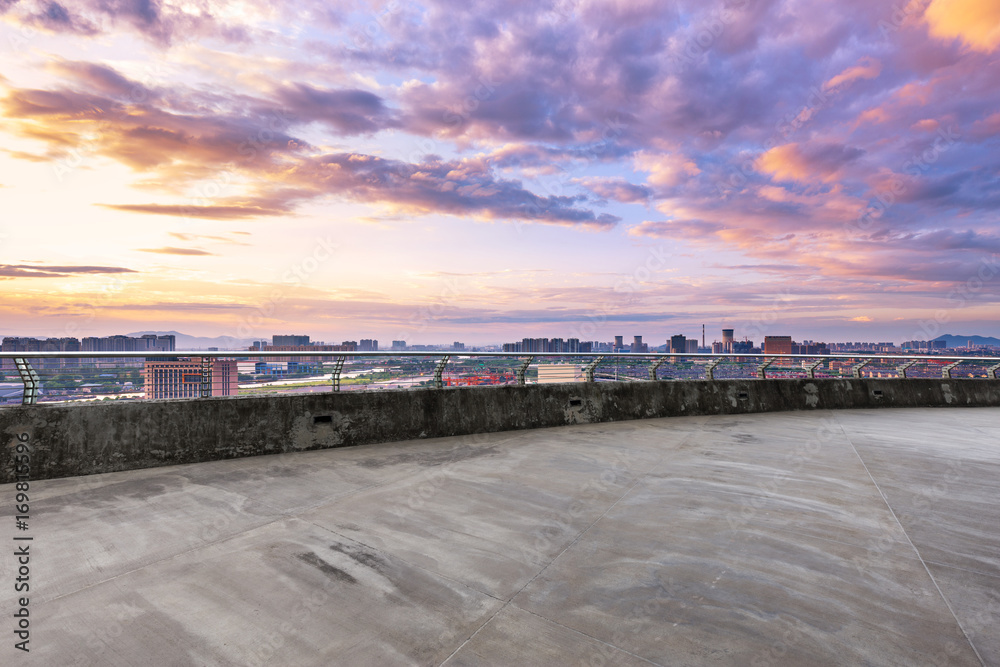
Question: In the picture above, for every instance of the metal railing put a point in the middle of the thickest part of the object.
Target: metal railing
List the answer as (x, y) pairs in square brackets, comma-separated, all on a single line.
[(684, 365)]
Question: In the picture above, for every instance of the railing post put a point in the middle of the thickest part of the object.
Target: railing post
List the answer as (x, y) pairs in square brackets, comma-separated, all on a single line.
[(812, 369), (946, 371), (905, 367), (338, 366), (710, 369), (32, 383), (762, 369), (439, 370), (588, 370), (994, 371), (655, 367), (206, 377), (519, 373), (856, 370)]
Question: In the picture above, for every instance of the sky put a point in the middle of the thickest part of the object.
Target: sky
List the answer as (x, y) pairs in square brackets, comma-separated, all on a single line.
[(477, 171)]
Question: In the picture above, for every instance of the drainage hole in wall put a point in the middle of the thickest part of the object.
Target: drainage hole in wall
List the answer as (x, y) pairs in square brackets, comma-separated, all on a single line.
[(743, 395), (323, 419), (877, 392), (575, 402)]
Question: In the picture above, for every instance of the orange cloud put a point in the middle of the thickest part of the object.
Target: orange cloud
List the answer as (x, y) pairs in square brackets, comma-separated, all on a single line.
[(666, 170), (868, 68), (987, 127), (975, 22), (874, 115), (170, 250), (806, 162)]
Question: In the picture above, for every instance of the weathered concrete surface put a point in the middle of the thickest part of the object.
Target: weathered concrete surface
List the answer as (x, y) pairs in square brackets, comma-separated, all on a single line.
[(88, 439), (799, 538)]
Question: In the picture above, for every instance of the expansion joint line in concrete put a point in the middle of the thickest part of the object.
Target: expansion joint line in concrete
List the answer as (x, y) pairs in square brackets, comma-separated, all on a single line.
[(912, 545), (567, 548)]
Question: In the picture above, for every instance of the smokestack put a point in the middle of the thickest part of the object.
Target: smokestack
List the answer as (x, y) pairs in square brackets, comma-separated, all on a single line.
[(703, 335)]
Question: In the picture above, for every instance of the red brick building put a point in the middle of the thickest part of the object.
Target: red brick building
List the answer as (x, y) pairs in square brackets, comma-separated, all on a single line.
[(182, 379)]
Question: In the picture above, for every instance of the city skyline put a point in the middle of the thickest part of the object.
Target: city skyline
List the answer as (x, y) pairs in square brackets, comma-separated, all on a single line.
[(166, 341), (580, 169)]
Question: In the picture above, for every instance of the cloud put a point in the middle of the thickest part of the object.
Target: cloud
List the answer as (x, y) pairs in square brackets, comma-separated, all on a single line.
[(867, 68), (208, 237), (975, 22), (100, 78), (809, 162), (346, 111), (465, 187), (162, 23), (169, 250), (767, 140), (221, 212), (617, 189), (676, 229), (666, 170), (30, 157), (47, 271), (55, 17)]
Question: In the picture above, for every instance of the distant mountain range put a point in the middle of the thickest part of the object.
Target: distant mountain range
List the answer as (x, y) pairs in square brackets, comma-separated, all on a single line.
[(186, 342), (962, 341)]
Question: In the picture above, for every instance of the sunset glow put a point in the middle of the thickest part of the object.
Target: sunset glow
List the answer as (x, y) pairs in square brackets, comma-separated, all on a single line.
[(483, 171)]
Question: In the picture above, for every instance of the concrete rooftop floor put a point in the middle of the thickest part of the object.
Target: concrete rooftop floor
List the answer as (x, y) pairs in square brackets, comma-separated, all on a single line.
[(850, 537)]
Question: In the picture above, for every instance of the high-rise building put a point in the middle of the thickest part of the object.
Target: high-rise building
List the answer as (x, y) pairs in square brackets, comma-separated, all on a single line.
[(182, 379), (810, 347), (727, 340), (23, 344), (368, 345), (691, 345), (777, 345), (399, 344), (290, 339), (678, 344), (165, 343), (717, 347)]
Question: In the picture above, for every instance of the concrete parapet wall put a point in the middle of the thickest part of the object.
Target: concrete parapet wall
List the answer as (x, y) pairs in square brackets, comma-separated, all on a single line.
[(70, 440)]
